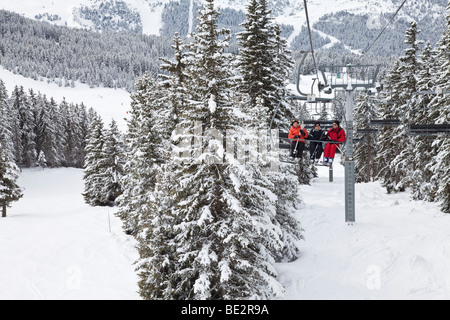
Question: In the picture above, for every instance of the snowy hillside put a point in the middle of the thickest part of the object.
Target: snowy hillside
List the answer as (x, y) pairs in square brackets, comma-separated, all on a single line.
[(60, 248), (148, 13), (108, 103)]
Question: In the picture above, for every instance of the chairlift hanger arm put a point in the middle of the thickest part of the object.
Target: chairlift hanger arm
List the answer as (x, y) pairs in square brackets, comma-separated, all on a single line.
[(304, 98), (368, 83)]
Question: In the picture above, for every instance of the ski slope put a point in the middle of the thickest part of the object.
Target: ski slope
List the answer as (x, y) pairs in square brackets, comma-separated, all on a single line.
[(54, 246), (397, 249)]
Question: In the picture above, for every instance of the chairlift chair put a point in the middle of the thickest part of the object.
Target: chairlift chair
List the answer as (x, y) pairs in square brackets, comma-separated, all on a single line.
[(428, 129)]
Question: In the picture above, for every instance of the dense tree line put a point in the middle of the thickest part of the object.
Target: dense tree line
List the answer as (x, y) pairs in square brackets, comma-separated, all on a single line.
[(393, 155), (112, 59), (37, 131)]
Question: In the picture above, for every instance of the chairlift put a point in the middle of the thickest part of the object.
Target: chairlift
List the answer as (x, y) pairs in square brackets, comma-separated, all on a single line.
[(312, 109), (427, 129), (366, 131), (384, 122), (307, 120)]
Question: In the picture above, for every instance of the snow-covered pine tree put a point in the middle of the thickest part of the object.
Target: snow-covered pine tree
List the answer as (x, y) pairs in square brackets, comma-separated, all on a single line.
[(440, 106), (402, 164), (395, 147), (282, 67), (365, 150), (47, 133), (174, 83), (264, 61), (9, 190), (58, 119), (95, 164), (113, 153), (264, 64), (423, 187), (5, 122), (387, 147), (42, 162), (221, 227), (67, 132), (158, 259), (25, 154), (146, 202), (80, 127), (143, 154)]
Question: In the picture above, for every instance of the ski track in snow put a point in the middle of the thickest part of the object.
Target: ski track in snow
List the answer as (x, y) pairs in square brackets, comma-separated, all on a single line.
[(396, 249)]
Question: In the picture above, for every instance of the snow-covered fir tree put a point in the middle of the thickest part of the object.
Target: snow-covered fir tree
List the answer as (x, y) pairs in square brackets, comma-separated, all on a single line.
[(387, 147), (264, 61), (175, 83), (6, 136), (69, 135), (9, 190), (144, 153), (114, 152), (95, 164), (103, 164), (423, 187), (47, 133), (35, 123), (24, 135), (365, 150), (420, 162), (264, 64), (160, 106), (408, 68), (440, 106), (146, 201)]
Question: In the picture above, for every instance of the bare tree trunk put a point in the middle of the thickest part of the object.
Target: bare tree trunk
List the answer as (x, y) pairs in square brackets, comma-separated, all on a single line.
[(4, 209)]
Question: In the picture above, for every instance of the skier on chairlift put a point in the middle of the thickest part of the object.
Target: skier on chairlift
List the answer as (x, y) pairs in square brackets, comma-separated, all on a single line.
[(336, 134), (315, 147), (298, 134)]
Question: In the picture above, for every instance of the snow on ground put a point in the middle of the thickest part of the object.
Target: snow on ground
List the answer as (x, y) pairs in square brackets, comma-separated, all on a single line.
[(397, 249), (54, 246), (57, 247)]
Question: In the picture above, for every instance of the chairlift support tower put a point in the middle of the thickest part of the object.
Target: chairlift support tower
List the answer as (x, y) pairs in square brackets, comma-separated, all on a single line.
[(350, 78)]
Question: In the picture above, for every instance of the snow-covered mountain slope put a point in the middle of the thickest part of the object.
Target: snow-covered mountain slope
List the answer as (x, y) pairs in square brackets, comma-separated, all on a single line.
[(147, 15)]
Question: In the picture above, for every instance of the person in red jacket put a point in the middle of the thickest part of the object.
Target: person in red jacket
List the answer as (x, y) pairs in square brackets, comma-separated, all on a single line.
[(334, 134), (298, 134)]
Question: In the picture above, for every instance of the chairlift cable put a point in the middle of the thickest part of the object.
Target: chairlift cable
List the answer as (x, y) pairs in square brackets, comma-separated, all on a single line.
[(310, 39), (382, 31)]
